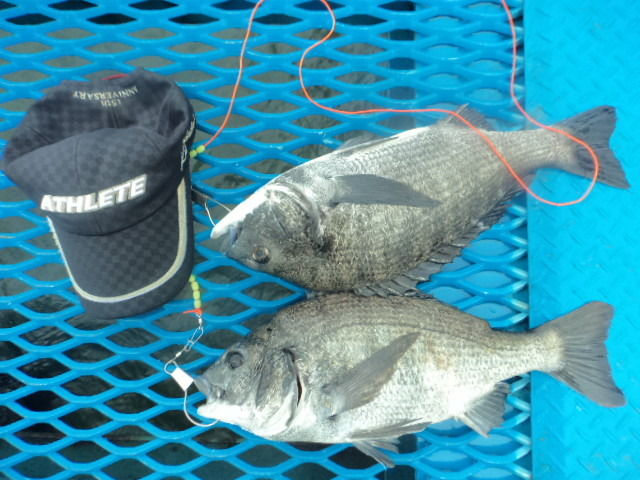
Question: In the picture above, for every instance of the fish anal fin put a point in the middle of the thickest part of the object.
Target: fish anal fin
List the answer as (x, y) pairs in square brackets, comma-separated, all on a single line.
[(403, 427), (371, 448), (360, 384), (486, 412)]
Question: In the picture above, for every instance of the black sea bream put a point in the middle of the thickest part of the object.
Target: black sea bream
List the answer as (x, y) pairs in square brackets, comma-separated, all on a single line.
[(365, 215), (346, 368)]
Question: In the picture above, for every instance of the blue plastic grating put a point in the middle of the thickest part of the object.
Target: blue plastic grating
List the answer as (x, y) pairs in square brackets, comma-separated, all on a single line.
[(590, 251), (80, 397)]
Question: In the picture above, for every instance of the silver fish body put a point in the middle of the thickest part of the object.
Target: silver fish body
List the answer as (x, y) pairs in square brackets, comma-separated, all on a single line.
[(345, 368), (369, 213)]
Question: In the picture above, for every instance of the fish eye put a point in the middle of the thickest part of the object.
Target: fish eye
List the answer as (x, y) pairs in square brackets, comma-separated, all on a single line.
[(261, 255), (235, 359)]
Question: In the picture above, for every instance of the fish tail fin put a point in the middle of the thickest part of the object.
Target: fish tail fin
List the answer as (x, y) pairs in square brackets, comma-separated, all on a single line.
[(595, 127), (583, 363)]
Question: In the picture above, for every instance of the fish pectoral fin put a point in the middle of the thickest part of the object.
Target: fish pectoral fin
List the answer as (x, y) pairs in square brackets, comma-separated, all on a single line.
[(371, 448), (361, 384), (473, 116), (370, 189), (486, 412), (404, 427)]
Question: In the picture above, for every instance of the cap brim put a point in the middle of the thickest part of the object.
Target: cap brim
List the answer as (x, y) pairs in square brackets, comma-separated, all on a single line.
[(136, 269)]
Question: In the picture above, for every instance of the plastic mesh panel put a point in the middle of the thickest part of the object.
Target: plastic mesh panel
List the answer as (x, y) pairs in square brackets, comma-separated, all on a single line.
[(82, 399)]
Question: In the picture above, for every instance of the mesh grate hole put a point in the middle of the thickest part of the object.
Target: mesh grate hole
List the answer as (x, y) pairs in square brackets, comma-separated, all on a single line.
[(192, 48), (130, 403), (311, 151), (6, 449), (167, 388), (273, 106), (264, 456), (40, 434), (225, 307), (316, 122), (150, 61), (73, 5), (48, 304), (28, 47), (277, 19), (109, 47), (49, 272), (173, 454), (8, 383), (87, 385), (360, 49), (38, 467), (88, 353), (273, 135), (399, 6), (4, 5), (16, 224), (133, 337), (194, 19), (84, 452), (191, 76), (13, 255), (11, 318), (9, 350), (13, 286), (228, 181), (154, 5), (85, 419), (171, 421), (44, 368), (360, 78), (30, 19), (361, 19), (152, 33), (219, 438), (111, 19), (45, 241), (70, 34), (276, 48), (42, 401), (314, 5), (309, 470), (129, 436), (225, 274), (221, 338), (218, 470), (44, 336), (127, 469), (236, 121), (268, 291), (131, 370), (234, 5), (7, 417), (226, 91), (274, 76), (353, 458), (271, 165)]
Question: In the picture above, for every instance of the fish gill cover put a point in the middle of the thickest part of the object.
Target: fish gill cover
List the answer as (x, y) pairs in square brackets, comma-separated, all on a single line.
[(80, 397)]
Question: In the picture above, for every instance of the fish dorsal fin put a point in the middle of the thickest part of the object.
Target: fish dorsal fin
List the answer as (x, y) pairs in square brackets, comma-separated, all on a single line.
[(363, 140), (486, 412), (374, 189), (470, 114), (406, 284), (361, 383)]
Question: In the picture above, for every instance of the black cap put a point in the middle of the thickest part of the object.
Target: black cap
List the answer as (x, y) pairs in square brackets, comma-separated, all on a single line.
[(107, 162)]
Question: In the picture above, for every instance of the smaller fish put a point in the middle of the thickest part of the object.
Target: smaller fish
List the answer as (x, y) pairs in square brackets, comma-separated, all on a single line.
[(343, 368)]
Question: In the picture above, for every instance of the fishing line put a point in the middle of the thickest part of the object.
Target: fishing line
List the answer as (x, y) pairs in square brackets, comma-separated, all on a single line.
[(182, 378), (476, 130)]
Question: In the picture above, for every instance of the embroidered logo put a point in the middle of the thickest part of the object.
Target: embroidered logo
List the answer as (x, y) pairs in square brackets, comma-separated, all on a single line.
[(97, 200)]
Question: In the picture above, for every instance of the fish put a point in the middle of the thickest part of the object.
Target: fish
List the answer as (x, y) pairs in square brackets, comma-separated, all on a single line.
[(378, 217), (344, 368)]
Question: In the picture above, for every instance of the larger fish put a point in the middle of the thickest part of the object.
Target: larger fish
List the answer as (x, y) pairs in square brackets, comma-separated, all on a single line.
[(345, 368), (381, 215)]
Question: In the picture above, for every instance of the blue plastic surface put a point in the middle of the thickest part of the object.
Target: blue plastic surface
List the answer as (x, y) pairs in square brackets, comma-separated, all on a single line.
[(578, 58), (439, 53)]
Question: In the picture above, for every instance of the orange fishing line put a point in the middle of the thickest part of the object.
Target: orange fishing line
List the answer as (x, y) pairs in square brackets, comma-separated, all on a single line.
[(480, 133)]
